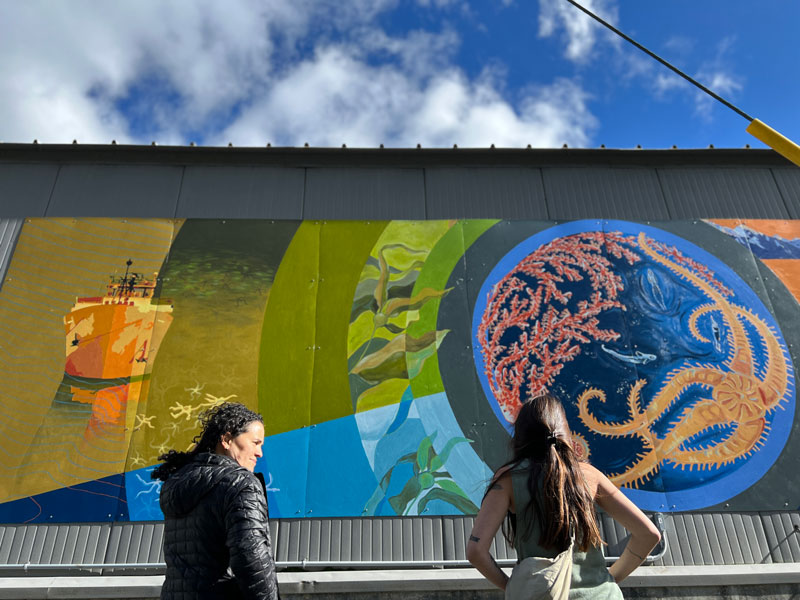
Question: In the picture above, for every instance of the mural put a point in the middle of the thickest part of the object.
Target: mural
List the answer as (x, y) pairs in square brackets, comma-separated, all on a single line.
[(389, 358)]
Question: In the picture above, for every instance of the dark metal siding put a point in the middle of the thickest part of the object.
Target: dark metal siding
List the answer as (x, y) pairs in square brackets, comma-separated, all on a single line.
[(721, 193), (364, 194), (691, 539), (115, 191), (788, 181), (485, 193), (25, 189), (604, 193), (241, 193)]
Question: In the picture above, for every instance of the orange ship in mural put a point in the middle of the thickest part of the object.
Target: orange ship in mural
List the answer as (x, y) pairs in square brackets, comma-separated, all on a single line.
[(116, 335)]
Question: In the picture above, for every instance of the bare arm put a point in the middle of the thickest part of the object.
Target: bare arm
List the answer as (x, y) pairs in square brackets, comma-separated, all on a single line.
[(493, 510), (644, 535)]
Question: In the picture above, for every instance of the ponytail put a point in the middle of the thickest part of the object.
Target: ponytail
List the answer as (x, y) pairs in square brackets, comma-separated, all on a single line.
[(560, 499), (566, 500)]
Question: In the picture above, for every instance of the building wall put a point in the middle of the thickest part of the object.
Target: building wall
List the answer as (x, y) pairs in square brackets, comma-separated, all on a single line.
[(357, 303)]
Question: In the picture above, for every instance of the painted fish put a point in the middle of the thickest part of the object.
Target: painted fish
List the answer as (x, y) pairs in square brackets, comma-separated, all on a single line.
[(638, 357)]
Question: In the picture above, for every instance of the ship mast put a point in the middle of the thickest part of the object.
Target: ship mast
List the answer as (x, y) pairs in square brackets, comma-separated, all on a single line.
[(124, 285)]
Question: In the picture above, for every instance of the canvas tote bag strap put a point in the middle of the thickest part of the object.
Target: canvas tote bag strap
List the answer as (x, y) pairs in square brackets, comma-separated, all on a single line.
[(560, 589)]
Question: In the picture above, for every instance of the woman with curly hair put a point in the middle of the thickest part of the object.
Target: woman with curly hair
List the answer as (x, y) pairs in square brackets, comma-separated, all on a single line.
[(545, 498), (216, 522)]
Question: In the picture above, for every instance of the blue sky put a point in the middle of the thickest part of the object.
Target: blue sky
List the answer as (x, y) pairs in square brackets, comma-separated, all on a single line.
[(366, 72)]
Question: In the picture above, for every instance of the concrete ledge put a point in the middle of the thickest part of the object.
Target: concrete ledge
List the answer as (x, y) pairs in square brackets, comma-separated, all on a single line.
[(391, 582), (34, 588), (718, 575)]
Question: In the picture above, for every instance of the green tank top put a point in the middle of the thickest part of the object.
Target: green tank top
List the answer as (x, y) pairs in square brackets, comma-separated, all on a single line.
[(590, 577)]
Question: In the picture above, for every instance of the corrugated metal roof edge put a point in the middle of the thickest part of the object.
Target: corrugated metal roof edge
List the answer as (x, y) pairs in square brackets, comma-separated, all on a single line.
[(381, 157)]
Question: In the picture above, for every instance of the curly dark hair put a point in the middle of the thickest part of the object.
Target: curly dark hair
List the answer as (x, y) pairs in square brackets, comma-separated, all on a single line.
[(228, 417)]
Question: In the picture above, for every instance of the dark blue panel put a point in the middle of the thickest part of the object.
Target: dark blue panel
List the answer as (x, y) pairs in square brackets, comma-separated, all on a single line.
[(99, 500)]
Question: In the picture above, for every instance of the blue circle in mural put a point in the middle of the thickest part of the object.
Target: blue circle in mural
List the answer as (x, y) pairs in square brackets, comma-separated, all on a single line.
[(675, 377)]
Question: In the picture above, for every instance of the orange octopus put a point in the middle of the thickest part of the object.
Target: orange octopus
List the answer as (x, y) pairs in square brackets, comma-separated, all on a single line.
[(737, 394)]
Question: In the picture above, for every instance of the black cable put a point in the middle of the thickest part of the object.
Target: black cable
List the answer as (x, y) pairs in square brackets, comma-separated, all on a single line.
[(662, 61)]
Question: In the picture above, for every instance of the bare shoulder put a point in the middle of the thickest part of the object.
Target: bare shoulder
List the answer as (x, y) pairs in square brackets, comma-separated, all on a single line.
[(594, 478), (501, 479)]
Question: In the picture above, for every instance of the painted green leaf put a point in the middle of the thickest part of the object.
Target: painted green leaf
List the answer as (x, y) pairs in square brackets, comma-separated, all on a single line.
[(415, 361), (389, 362), (426, 480), (388, 476), (383, 278), (461, 503), (372, 504), (394, 307), (440, 459), (394, 328), (451, 486), (380, 289), (408, 495), (423, 450), (364, 296)]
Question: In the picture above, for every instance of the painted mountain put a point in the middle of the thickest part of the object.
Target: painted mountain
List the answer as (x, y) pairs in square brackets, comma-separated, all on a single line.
[(761, 245)]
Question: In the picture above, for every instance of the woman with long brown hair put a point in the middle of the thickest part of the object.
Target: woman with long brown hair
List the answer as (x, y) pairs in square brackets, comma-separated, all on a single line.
[(544, 496)]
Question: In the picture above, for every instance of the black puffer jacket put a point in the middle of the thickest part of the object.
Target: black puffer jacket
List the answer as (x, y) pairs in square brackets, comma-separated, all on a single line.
[(216, 535)]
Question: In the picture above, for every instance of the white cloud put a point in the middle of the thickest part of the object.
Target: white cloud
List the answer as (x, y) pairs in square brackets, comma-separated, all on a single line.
[(251, 72), (666, 81), (579, 30), (335, 99), (716, 74), (722, 83)]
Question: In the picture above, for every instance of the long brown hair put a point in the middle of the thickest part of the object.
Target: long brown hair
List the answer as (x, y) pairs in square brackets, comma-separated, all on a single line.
[(542, 446)]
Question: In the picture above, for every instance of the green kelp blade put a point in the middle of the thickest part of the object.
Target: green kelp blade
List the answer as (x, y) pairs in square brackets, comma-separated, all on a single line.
[(458, 500)]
